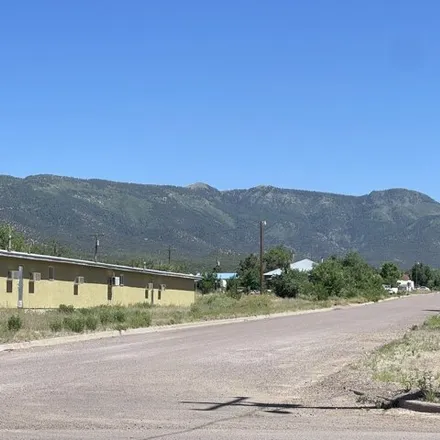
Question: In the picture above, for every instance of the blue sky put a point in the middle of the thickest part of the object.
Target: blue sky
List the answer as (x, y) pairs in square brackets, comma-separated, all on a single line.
[(339, 96)]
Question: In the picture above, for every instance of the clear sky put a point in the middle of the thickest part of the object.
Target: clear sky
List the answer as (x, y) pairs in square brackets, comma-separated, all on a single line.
[(340, 96)]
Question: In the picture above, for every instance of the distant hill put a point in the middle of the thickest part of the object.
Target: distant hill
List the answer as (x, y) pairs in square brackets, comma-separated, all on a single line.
[(199, 220)]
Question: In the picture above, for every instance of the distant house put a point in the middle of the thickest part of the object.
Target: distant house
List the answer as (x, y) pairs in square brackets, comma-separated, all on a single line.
[(305, 265)]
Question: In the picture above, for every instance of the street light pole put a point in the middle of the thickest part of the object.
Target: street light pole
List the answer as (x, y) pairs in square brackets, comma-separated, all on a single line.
[(262, 224)]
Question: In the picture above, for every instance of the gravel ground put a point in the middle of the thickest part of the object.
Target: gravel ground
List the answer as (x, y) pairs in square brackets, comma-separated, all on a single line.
[(273, 378)]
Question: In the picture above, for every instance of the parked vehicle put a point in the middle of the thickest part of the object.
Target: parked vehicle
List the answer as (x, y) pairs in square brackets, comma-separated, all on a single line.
[(389, 289)]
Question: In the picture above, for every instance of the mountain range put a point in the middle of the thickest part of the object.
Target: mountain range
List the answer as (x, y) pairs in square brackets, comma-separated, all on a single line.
[(198, 220)]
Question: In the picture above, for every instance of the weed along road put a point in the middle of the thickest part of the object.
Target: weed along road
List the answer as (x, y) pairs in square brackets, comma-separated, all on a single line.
[(249, 380)]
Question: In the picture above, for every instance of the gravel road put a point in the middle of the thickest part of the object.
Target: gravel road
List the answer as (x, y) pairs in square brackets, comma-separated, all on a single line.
[(249, 380)]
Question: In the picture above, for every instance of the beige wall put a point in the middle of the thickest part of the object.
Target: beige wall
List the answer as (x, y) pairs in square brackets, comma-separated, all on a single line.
[(95, 290)]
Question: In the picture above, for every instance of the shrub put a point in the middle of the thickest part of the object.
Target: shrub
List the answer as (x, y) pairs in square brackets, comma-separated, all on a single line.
[(56, 326), (74, 323), (121, 327), (373, 295), (119, 315), (233, 288), (140, 318), (195, 310), (290, 284), (14, 323), (66, 309), (91, 322), (142, 305), (177, 317), (105, 315)]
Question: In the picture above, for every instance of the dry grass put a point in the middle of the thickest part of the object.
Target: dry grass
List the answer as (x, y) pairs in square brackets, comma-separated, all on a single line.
[(412, 362), (42, 324)]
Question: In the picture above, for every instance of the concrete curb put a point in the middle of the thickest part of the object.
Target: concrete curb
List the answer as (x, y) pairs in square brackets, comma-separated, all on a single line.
[(49, 342)]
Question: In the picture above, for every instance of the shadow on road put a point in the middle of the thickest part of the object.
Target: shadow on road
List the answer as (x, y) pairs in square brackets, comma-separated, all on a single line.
[(433, 311), (276, 408)]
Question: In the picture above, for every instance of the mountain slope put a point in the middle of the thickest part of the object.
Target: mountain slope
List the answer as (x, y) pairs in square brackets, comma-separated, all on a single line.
[(398, 224)]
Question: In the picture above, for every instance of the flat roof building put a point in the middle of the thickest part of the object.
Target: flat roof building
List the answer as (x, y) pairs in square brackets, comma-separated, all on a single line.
[(33, 281)]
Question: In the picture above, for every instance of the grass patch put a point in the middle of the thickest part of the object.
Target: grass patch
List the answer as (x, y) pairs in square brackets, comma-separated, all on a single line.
[(67, 320), (433, 323), (412, 362), (75, 324)]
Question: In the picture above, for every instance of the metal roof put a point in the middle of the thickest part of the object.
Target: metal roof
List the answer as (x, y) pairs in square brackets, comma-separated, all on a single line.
[(305, 265), (78, 262)]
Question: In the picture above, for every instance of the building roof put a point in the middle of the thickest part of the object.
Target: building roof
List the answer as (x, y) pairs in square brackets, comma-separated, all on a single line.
[(78, 262), (305, 265)]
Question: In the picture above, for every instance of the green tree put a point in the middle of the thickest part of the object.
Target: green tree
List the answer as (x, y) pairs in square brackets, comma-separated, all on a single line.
[(346, 277), (390, 273), (208, 282), (249, 273), (421, 274), (360, 276), (290, 283), (278, 257), (328, 277), (18, 241), (434, 282)]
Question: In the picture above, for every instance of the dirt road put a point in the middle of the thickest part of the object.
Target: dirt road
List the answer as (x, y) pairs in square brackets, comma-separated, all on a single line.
[(250, 380)]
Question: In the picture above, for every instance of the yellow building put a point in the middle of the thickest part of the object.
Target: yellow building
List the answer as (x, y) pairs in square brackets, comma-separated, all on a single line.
[(41, 282)]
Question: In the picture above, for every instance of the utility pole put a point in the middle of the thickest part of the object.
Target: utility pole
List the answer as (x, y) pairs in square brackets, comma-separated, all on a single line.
[(416, 275), (96, 245), (31, 245), (169, 255), (262, 225), (10, 239)]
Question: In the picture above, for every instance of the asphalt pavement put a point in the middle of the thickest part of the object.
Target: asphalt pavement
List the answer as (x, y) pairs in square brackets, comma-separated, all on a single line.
[(246, 380)]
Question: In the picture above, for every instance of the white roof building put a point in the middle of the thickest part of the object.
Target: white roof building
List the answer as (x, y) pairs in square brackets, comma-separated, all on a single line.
[(305, 265)]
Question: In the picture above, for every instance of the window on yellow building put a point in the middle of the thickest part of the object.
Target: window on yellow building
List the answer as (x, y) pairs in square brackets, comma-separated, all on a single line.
[(9, 286), (31, 286), (75, 289), (162, 288), (51, 273), (146, 293)]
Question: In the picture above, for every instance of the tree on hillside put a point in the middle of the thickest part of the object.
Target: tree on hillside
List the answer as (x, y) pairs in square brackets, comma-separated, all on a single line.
[(18, 241), (390, 273), (249, 273), (278, 257)]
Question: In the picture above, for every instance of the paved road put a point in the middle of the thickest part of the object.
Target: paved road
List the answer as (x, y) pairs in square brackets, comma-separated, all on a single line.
[(246, 380)]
